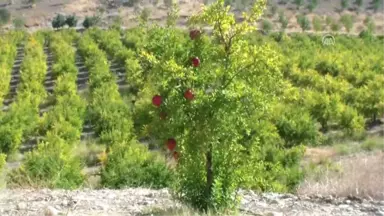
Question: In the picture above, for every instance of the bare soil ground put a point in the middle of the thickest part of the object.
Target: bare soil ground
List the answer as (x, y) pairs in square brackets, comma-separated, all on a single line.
[(142, 202)]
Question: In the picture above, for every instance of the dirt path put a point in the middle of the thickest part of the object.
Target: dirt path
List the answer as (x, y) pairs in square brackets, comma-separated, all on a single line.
[(143, 201)]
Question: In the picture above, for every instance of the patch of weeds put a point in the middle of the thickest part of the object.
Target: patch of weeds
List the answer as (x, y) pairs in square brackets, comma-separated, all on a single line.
[(374, 143), (346, 148)]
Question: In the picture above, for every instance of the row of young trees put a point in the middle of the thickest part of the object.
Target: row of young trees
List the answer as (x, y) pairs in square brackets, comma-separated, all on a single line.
[(319, 24), (53, 162), (22, 118), (348, 68), (127, 162), (71, 21), (8, 50), (344, 4)]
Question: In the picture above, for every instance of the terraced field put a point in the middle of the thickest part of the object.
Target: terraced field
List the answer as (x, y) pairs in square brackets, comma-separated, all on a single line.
[(50, 79)]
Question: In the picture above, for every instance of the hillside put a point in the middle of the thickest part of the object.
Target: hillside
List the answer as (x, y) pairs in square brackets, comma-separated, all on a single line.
[(41, 15)]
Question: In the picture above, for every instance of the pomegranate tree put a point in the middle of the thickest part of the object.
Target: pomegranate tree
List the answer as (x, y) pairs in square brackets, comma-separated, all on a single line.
[(212, 107)]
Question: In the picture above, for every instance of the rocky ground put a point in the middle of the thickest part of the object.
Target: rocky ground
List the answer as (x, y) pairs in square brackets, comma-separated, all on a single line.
[(145, 202)]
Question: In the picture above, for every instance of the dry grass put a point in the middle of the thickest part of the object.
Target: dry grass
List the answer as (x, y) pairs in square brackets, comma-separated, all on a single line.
[(360, 175)]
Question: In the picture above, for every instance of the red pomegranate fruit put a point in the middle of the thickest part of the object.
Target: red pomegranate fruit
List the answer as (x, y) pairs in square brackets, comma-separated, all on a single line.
[(157, 100), (189, 94), (195, 62), (193, 34), (171, 144)]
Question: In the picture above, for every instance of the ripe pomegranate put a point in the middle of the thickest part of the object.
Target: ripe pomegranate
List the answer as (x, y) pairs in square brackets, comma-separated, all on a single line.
[(171, 144), (189, 95), (193, 34), (156, 100), (163, 115), (195, 62)]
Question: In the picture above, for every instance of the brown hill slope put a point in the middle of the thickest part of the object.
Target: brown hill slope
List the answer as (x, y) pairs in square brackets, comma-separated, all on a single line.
[(41, 14)]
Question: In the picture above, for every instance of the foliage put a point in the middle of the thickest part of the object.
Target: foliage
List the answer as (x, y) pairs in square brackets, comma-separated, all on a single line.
[(312, 5), (5, 16), (91, 21), (3, 158), (131, 165), (370, 25), (304, 22), (204, 127), (172, 15), (59, 21), (18, 23), (71, 21), (8, 52), (344, 4), (144, 15), (296, 126), (377, 4), (335, 26), (317, 23), (51, 165), (298, 3), (329, 20), (21, 119), (347, 21), (267, 26), (283, 20), (359, 3), (117, 23)]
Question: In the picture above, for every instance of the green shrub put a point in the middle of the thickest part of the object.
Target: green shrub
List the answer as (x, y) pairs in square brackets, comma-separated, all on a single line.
[(50, 165), (377, 4), (344, 4), (131, 165), (5, 16), (296, 127), (347, 21), (283, 20), (335, 26), (329, 20), (371, 27), (298, 3), (18, 23), (369, 145), (304, 22), (3, 158), (71, 21), (312, 5), (58, 21), (359, 3), (365, 34), (317, 23), (91, 21), (267, 26)]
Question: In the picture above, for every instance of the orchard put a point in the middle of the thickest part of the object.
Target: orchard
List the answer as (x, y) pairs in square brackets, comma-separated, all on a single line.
[(203, 113)]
